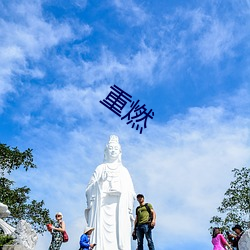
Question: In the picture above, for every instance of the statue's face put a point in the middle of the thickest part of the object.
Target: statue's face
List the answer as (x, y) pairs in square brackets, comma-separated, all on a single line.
[(113, 150)]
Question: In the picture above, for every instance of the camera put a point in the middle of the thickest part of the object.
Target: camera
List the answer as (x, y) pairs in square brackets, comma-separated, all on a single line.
[(134, 235)]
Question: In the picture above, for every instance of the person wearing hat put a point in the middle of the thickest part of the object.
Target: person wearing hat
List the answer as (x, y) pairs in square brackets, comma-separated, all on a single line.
[(56, 231), (144, 223), (84, 240), (239, 231)]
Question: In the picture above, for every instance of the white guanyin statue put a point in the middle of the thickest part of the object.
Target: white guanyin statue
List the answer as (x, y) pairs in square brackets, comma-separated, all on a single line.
[(4, 212), (23, 234), (110, 197)]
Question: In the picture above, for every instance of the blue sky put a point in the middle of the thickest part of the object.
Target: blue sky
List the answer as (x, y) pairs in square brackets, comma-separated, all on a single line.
[(186, 60)]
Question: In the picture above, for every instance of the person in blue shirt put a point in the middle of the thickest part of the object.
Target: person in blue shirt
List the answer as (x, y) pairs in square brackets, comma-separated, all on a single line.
[(84, 240)]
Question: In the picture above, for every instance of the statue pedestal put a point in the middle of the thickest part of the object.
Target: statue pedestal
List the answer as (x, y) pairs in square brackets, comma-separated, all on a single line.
[(13, 247)]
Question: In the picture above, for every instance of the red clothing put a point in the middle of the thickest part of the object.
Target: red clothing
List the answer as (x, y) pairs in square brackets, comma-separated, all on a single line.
[(219, 242)]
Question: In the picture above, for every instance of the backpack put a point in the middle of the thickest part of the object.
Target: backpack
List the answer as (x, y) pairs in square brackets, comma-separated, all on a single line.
[(149, 212)]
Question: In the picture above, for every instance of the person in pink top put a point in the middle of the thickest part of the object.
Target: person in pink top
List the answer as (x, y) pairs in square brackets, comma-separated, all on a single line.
[(218, 240)]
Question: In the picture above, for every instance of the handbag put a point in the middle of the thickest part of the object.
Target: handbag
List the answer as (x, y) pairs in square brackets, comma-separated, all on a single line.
[(65, 236), (49, 227)]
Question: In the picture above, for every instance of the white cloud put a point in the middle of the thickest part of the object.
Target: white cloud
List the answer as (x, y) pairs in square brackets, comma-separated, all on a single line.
[(80, 3), (143, 63), (25, 35), (201, 34), (76, 101), (131, 12), (217, 42), (198, 19), (10, 58), (124, 70), (240, 100), (105, 69), (31, 33)]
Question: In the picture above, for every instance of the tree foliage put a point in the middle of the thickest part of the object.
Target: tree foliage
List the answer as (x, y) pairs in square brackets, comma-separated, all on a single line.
[(235, 206), (17, 199), (6, 239), (11, 159)]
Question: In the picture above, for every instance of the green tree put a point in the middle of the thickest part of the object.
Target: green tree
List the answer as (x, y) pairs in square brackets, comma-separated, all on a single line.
[(17, 199), (235, 207)]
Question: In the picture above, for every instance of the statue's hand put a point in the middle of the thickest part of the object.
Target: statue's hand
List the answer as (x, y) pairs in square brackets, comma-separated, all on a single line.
[(90, 204), (90, 201), (132, 217)]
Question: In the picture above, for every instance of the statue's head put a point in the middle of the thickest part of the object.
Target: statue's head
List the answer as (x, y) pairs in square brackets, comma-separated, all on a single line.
[(113, 150)]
